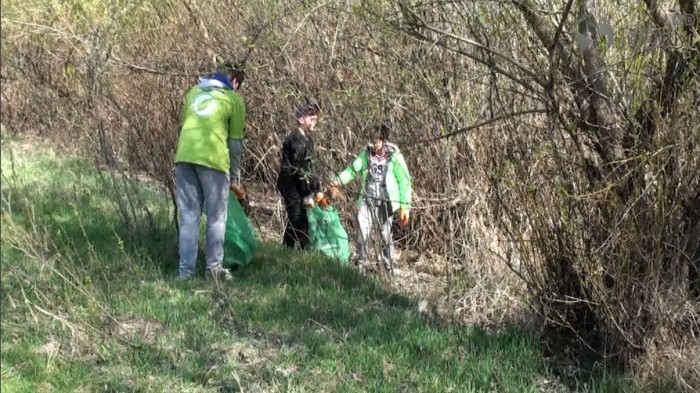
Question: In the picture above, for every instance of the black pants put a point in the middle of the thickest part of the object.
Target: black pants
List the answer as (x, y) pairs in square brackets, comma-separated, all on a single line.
[(296, 233)]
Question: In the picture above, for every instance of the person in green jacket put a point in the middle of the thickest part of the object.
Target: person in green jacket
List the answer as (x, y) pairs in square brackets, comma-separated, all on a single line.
[(386, 189), (206, 165)]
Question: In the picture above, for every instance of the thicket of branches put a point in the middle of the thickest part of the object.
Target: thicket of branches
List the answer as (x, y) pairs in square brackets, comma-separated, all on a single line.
[(534, 141)]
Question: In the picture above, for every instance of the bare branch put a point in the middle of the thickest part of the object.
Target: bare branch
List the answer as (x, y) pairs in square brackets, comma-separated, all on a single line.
[(681, 66), (565, 15), (478, 125), (423, 23), (539, 26), (149, 70), (608, 127), (656, 15), (555, 46), (472, 56), (488, 64)]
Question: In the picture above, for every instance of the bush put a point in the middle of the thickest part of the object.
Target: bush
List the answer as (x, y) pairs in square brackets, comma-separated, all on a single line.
[(578, 169)]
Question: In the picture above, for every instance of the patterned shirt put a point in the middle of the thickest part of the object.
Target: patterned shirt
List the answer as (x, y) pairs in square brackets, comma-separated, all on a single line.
[(376, 176)]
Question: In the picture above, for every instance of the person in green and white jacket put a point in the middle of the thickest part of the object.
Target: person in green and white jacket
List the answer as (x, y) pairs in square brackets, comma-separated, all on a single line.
[(386, 189)]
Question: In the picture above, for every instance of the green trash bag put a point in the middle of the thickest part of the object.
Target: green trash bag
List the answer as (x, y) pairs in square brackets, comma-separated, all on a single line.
[(327, 233), (239, 242)]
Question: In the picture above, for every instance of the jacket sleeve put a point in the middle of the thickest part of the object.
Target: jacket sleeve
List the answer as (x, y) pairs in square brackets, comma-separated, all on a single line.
[(312, 186), (185, 106), (314, 180), (287, 169), (357, 166), (237, 119), (235, 148), (403, 178), (310, 183)]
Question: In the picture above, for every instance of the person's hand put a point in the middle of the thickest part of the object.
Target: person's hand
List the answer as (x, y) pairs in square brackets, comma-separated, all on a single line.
[(403, 216), (309, 201), (321, 199), (333, 190), (240, 192)]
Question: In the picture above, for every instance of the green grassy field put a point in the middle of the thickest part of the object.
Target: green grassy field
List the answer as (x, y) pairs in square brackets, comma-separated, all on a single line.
[(90, 304)]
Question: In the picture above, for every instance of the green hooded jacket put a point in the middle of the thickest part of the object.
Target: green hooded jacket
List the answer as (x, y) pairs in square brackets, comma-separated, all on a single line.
[(211, 116), (398, 178)]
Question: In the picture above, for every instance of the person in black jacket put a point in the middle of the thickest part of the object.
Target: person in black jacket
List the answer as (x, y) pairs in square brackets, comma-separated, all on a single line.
[(298, 181)]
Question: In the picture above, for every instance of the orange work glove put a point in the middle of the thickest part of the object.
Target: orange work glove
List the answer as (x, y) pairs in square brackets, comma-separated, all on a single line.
[(403, 216), (240, 193), (321, 200)]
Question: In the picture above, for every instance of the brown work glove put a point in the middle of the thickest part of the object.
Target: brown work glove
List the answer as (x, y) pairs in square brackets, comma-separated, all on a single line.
[(239, 191), (334, 191), (403, 216)]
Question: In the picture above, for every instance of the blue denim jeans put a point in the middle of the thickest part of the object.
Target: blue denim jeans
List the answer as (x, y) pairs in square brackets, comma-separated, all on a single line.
[(200, 188), (375, 214)]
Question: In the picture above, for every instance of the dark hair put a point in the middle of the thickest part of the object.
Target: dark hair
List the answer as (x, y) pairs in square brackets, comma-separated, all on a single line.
[(233, 71), (308, 108), (381, 132)]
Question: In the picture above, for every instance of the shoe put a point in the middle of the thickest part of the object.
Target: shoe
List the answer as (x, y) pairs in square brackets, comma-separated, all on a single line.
[(361, 266), (386, 267), (219, 274)]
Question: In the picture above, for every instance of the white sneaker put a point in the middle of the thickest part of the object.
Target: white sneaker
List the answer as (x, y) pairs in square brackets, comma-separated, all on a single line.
[(219, 274), (387, 267)]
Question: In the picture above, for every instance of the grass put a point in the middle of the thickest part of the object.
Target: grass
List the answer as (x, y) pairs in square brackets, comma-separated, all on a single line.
[(89, 304)]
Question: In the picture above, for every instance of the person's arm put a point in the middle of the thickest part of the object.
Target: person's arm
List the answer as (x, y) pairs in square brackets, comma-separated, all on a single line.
[(286, 164), (304, 165), (357, 166), (403, 178), (234, 158), (297, 157), (185, 106), (236, 133), (314, 178), (236, 123)]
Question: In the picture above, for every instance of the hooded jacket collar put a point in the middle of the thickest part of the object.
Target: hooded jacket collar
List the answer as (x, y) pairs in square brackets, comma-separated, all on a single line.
[(215, 81)]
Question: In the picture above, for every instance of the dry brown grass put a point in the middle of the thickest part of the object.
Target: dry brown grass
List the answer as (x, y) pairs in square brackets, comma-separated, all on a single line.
[(670, 367), (510, 207)]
